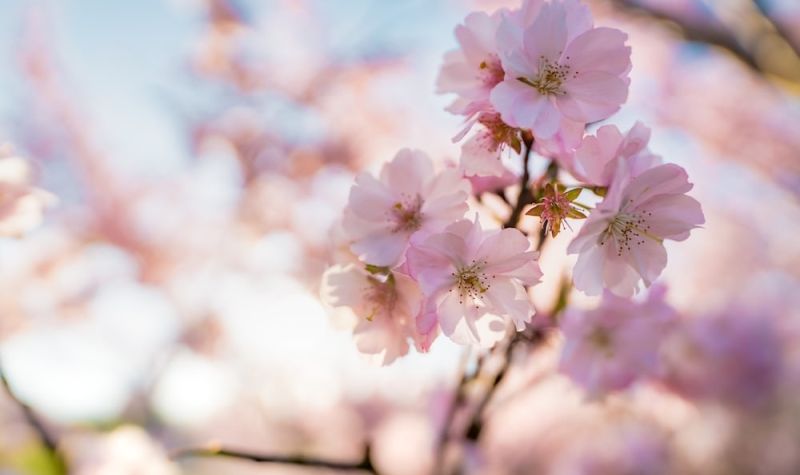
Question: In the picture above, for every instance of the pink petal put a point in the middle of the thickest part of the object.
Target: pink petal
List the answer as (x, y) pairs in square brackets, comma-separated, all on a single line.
[(673, 216), (548, 120), (519, 105), (661, 180), (648, 258), (547, 36), (512, 300), (407, 172), (382, 248), (599, 49), (478, 159), (369, 198), (592, 96)]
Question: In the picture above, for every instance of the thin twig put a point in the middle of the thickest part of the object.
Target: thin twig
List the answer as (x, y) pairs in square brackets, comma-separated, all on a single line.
[(455, 405), (48, 441), (476, 423), (365, 465), (525, 196)]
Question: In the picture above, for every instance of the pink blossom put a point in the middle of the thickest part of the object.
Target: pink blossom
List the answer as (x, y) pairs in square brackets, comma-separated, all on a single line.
[(482, 184), (593, 162), (21, 204), (561, 146), (735, 356), (481, 154), (408, 199), (621, 242), (612, 346), (474, 69), (473, 281), (558, 68), (384, 305)]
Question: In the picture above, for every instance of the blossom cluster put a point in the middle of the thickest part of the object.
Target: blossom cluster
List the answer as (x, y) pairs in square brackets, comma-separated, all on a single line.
[(528, 83), (21, 204)]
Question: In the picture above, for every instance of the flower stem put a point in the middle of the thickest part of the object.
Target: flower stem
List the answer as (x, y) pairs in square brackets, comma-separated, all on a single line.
[(525, 196), (365, 465)]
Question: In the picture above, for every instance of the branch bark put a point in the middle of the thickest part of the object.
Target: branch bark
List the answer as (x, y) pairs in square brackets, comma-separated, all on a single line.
[(48, 441), (364, 465), (724, 37), (525, 195)]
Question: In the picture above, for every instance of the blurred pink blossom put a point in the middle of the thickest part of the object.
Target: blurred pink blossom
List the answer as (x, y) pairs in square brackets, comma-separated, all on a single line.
[(127, 450), (612, 346), (384, 305), (733, 356), (21, 204)]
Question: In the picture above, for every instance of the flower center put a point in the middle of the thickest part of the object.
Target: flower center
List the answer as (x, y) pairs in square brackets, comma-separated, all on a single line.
[(471, 282), (627, 230), (491, 71), (554, 209), (406, 215), (381, 295), (497, 133), (550, 79), (602, 340)]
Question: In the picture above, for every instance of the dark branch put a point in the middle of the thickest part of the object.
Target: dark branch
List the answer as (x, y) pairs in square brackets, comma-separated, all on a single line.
[(365, 465), (47, 440), (458, 400), (747, 48), (476, 423), (525, 196), (708, 35), (780, 28)]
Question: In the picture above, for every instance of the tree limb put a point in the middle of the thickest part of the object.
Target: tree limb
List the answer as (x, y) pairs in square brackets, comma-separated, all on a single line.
[(365, 465)]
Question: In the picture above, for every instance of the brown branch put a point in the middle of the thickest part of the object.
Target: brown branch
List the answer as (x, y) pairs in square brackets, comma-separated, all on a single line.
[(365, 465), (32, 419), (780, 28), (525, 196), (709, 35), (747, 47), (476, 423), (459, 398)]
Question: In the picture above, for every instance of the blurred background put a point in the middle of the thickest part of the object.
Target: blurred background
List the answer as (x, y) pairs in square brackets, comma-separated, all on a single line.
[(202, 150)]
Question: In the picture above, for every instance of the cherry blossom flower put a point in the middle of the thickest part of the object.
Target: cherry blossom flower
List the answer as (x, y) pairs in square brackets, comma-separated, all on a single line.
[(474, 69), (622, 241), (473, 280), (593, 162), (558, 68), (385, 306), (612, 346), (408, 198), (21, 204), (481, 154)]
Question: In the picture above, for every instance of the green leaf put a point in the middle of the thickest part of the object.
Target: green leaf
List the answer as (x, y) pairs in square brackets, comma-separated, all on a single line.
[(575, 214), (573, 194), (373, 269), (535, 211)]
